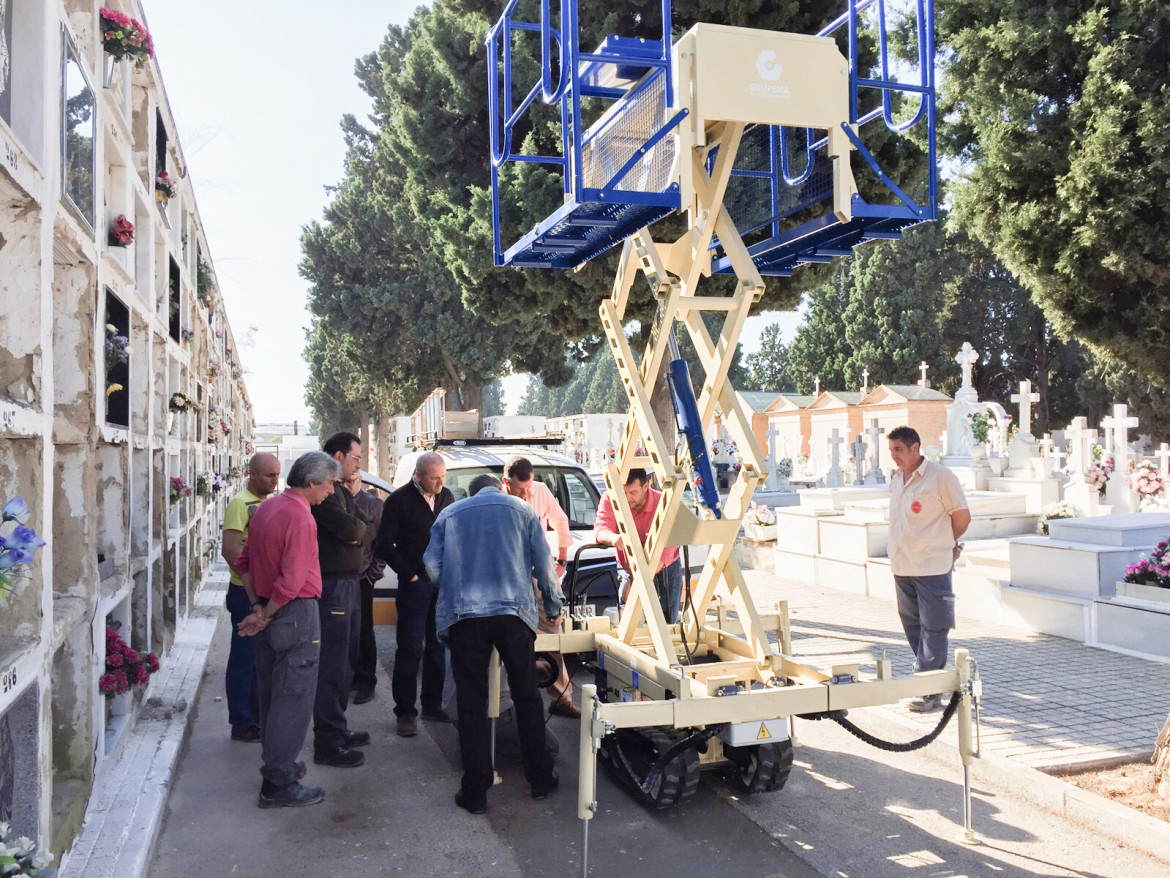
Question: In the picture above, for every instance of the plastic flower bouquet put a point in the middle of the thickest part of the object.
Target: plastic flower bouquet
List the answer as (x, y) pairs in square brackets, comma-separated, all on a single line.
[(17, 542), (125, 37), (1056, 510), (1145, 480), (164, 185), (125, 667), (117, 347), (179, 489), (1154, 570), (121, 232), (21, 856), (760, 515), (784, 468)]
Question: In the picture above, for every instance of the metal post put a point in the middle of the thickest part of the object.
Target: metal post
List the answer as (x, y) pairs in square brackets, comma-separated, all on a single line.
[(494, 707), (587, 769), (966, 745)]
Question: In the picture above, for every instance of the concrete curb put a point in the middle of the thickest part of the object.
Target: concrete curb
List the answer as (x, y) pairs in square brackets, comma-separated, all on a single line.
[(129, 798), (1024, 783)]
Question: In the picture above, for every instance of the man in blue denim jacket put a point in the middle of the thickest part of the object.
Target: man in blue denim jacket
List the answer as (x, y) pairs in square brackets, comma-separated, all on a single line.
[(484, 553)]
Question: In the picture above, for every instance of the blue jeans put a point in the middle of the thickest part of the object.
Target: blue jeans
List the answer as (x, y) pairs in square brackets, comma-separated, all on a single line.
[(926, 605), (668, 582), (240, 678), (418, 643)]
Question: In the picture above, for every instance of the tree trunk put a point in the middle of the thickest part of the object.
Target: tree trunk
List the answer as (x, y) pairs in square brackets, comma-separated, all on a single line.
[(1162, 762)]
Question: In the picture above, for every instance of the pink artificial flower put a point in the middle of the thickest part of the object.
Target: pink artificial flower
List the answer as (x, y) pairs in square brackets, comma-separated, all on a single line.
[(132, 656), (114, 660), (153, 659), (123, 683), (108, 683), (141, 676)]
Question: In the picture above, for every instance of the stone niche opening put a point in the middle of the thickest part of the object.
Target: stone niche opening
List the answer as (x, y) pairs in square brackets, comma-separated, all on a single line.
[(72, 729), (118, 387), (111, 508), (118, 708), (74, 307), (22, 96), (20, 331), (20, 746), (73, 571), (20, 476)]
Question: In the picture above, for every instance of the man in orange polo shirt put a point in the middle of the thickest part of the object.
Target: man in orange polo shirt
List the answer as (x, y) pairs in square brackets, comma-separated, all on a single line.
[(928, 514)]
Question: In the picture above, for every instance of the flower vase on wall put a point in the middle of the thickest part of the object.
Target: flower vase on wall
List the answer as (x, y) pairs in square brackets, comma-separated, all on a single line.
[(111, 70)]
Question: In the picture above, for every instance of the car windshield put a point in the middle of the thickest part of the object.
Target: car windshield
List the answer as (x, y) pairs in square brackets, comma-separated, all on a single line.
[(573, 489)]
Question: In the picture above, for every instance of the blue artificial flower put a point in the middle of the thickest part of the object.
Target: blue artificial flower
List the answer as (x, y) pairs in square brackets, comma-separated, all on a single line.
[(22, 538), (12, 557), (15, 510)]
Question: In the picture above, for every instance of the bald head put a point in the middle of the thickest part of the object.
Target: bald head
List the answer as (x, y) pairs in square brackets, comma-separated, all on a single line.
[(429, 471), (263, 473)]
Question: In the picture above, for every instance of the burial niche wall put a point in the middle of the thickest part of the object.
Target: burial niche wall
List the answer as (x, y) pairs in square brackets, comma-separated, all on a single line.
[(20, 285)]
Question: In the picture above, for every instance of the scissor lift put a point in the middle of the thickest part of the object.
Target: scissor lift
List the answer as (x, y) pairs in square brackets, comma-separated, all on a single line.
[(703, 125)]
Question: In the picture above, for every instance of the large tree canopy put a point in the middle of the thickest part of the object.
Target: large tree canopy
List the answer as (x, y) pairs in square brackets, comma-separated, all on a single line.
[(1059, 113)]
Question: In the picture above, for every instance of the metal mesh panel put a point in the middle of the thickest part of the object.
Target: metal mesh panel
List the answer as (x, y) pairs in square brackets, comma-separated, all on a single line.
[(749, 198), (621, 132)]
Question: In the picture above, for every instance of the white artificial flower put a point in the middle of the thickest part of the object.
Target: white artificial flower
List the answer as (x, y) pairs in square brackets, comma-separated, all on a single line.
[(4, 827), (25, 844), (42, 859), (111, 328)]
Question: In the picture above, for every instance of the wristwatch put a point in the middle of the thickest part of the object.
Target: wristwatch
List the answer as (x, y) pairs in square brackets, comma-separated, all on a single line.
[(959, 546)]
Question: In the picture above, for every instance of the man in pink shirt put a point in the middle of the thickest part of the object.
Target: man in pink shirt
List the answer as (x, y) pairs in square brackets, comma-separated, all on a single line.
[(282, 576), (644, 503), (520, 482)]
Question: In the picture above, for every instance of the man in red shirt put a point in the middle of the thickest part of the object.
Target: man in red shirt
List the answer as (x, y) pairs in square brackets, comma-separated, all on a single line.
[(644, 503), (282, 575)]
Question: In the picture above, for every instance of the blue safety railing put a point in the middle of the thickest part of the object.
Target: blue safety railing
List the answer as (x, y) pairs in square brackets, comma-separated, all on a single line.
[(784, 247), (601, 204), (614, 172)]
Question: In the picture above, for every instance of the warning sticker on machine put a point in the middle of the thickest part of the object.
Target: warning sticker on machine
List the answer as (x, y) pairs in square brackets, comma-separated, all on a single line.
[(764, 733)]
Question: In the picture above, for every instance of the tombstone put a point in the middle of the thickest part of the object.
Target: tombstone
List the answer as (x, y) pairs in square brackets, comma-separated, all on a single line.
[(865, 380), (834, 478), (1163, 455), (1025, 398), (775, 481), (960, 441), (922, 382), (1117, 492), (858, 449), (875, 476)]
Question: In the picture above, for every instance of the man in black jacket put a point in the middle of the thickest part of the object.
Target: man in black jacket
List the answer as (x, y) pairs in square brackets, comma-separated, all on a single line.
[(341, 534), (403, 536)]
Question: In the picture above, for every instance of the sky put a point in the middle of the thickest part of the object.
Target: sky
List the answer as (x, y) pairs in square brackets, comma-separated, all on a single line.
[(257, 90)]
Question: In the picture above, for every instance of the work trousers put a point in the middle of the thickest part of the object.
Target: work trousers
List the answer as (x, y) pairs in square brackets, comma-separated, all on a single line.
[(926, 605), (287, 653), (471, 642), (668, 583), (365, 674), (340, 613), (243, 698), (418, 643)]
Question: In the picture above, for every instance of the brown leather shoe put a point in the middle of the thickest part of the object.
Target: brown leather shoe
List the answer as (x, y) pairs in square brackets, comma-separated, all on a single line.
[(565, 707), (407, 726)]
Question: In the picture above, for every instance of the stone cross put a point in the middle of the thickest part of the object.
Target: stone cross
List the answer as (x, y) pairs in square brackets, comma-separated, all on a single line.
[(1080, 442), (1025, 398), (1118, 425), (967, 357), (922, 382), (858, 450), (817, 386), (875, 436), (773, 482), (1163, 455), (865, 380), (834, 478)]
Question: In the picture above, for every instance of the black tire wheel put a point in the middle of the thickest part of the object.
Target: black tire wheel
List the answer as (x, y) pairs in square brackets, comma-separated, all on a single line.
[(763, 768), (631, 754)]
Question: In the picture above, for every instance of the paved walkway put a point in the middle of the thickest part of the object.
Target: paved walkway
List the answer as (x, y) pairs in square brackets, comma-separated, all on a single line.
[(1047, 702)]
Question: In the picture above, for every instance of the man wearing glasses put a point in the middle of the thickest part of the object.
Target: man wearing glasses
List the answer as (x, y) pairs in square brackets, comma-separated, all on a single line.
[(342, 535)]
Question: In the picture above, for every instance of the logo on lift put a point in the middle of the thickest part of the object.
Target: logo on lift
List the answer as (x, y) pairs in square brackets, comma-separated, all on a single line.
[(770, 72)]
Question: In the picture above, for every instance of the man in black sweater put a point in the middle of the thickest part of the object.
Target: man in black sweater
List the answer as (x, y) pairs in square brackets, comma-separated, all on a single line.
[(341, 534), (403, 536)]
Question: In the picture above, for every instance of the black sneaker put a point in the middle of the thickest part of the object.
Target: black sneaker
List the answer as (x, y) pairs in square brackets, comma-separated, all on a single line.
[(292, 796), (546, 789), (438, 715), (248, 734), (363, 694), (471, 804), (925, 704), (357, 739), (340, 757)]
